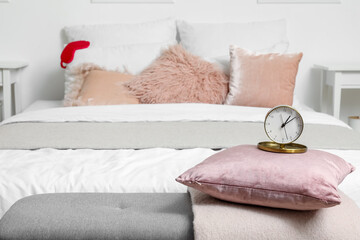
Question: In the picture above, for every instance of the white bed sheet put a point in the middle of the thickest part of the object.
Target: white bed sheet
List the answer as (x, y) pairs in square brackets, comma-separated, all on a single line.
[(45, 104), (24, 172), (161, 112)]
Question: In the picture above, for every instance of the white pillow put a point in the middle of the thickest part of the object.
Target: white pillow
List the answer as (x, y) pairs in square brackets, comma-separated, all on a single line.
[(109, 35), (300, 105), (130, 59), (212, 40)]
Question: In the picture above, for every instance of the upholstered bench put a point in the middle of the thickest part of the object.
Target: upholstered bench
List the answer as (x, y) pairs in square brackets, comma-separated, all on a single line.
[(100, 216)]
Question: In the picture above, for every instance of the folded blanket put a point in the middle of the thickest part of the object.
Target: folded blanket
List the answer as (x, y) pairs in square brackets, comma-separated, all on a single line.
[(216, 219)]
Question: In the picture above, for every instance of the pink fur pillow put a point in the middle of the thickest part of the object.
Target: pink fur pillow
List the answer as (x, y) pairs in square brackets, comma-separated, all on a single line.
[(245, 174), (180, 77)]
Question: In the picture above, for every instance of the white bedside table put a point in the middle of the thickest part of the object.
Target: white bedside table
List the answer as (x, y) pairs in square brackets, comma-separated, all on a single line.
[(338, 76), (6, 82)]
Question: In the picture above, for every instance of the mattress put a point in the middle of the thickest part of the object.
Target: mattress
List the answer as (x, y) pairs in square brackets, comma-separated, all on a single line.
[(27, 172)]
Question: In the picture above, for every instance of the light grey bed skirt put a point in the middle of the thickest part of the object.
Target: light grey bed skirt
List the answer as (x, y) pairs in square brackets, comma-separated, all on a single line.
[(179, 135)]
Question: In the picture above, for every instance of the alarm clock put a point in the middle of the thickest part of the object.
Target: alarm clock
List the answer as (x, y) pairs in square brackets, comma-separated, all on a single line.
[(283, 125)]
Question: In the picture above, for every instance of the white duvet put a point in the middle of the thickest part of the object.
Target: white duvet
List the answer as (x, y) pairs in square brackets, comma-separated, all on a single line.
[(24, 172)]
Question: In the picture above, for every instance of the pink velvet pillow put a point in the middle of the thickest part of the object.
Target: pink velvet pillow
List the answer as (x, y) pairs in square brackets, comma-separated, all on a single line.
[(105, 88), (245, 174), (96, 86), (262, 80), (180, 77)]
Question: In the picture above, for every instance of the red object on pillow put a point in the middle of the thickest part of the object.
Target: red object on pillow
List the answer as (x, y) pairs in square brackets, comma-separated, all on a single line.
[(68, 53)]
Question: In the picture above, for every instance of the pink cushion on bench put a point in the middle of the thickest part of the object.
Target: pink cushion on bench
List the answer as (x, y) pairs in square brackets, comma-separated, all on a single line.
[(245, 174)]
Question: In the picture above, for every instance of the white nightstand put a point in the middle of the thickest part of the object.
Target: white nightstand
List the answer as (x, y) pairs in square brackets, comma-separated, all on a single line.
[(6, 82), (337, 76)]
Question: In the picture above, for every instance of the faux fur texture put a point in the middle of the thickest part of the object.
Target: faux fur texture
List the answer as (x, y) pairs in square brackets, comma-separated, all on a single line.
[(76, 78), (180, 77)]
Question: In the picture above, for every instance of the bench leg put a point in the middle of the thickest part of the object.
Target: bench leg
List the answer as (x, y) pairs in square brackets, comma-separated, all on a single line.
[(337, 95), (6, 93)]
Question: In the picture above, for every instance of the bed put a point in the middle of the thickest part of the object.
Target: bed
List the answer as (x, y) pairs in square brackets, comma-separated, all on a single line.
[(142, 148), (45, 165)]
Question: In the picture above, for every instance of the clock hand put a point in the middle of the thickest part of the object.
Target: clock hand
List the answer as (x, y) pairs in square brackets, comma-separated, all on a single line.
[(289, 121), (286, 133), (284, 123)]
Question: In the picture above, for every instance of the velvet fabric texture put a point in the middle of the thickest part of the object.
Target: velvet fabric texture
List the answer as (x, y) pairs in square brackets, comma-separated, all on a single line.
[(78, 75), (95, 86), (262, 80), (105, 88), (245, 174), (180, 77)]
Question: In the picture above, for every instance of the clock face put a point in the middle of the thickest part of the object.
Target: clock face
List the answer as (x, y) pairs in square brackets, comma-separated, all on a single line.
[(283, 124)]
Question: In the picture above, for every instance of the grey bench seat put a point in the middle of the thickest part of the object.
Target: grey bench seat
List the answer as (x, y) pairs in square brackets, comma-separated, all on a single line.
[(100, 216)]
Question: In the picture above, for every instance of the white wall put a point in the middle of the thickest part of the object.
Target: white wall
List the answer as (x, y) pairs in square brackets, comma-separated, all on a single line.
[(31, 30)]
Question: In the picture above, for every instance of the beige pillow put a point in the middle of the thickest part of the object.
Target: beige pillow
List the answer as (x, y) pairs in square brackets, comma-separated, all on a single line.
[(100, 87), (262, 80)]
